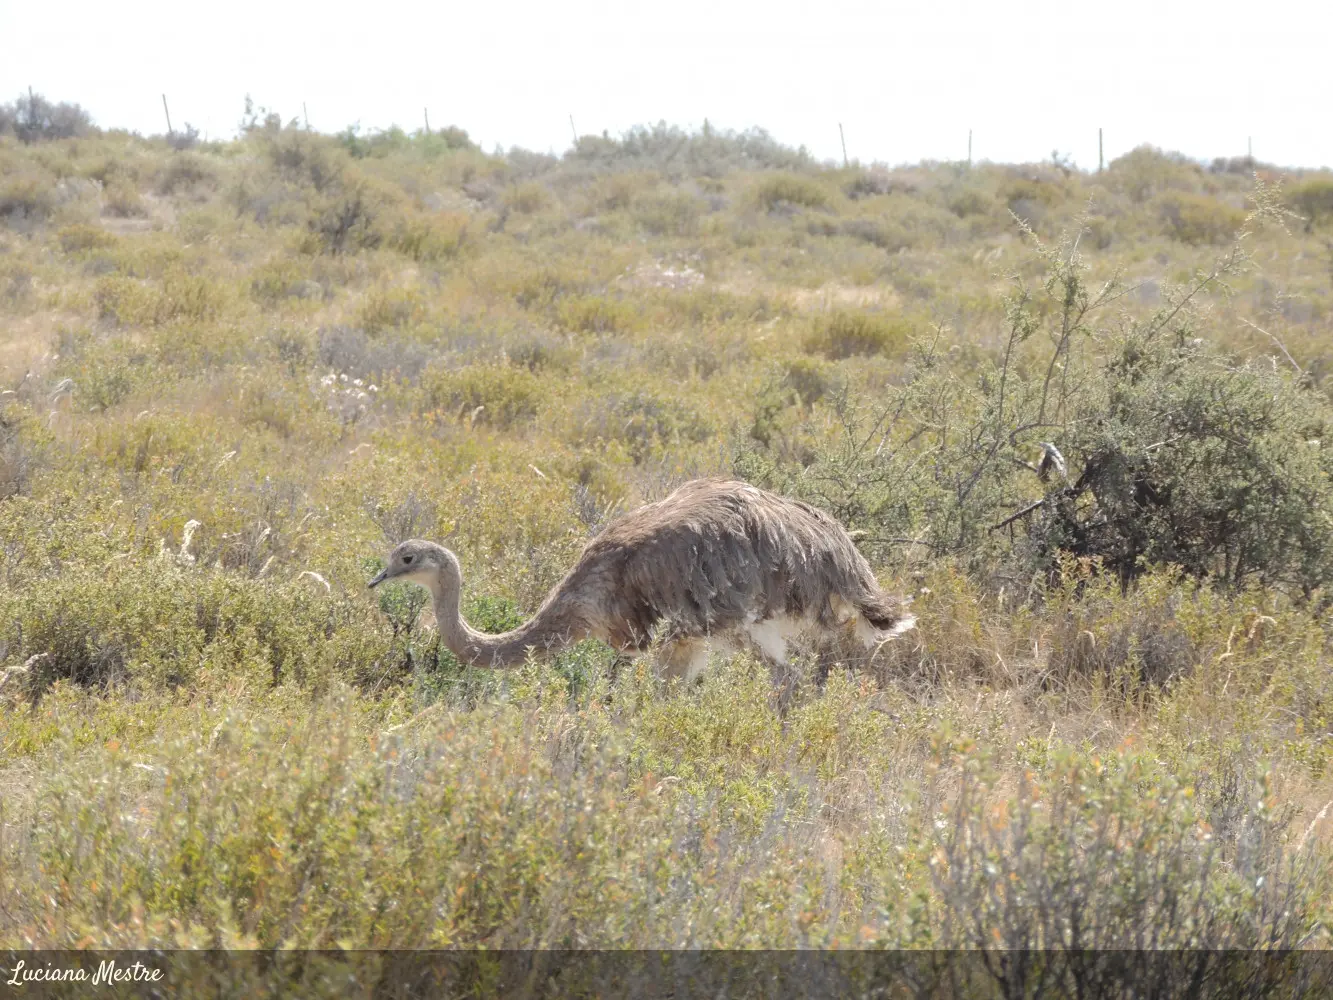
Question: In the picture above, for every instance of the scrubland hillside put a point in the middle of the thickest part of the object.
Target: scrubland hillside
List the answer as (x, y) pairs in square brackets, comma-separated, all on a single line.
[(1111, 727)]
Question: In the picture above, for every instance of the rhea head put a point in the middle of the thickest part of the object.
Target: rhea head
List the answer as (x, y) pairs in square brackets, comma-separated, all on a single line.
[(420, 562)]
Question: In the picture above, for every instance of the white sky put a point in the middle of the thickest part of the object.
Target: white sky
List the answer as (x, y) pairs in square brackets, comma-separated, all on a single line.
[(906, 80)]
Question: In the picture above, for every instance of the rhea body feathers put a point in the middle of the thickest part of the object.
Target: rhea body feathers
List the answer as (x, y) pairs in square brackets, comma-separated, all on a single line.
[(718, 562)]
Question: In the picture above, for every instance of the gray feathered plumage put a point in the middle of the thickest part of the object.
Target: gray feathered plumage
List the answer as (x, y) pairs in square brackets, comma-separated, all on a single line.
[(717, 559)]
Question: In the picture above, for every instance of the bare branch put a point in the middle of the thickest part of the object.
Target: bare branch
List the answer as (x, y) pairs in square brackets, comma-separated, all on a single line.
[(1281, 346), (1022, 513)]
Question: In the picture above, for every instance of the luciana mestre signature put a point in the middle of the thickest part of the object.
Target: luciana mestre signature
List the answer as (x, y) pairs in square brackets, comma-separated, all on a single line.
[(107, 972)]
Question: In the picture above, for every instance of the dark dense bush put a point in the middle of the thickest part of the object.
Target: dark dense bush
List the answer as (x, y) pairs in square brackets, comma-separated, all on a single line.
[(1195, 460), (186, 138), (32, 118), (1175, 453)]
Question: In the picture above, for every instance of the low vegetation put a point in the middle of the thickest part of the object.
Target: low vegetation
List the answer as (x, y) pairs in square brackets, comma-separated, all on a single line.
[(234, 374)]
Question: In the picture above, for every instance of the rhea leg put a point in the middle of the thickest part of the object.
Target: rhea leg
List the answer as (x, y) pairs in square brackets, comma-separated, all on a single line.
[(770, 637), (686, 656)]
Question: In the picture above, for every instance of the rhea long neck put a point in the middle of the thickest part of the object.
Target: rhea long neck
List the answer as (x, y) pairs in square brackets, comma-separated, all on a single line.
[(472, 647)]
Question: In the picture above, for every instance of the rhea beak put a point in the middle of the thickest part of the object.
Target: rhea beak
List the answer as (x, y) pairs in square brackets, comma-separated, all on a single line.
[(379, 578)]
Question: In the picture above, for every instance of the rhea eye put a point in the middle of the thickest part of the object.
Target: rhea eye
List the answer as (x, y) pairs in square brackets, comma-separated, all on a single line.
[(407, 560)]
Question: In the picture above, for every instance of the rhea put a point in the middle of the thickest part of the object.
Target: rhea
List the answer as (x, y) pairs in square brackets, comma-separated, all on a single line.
[(718, 563)]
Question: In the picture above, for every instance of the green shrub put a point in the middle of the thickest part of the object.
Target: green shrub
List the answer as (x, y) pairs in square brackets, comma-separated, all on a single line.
[(791, 189), (527, 199), (596, 314), (275, 408), (26, 197), (873, 183), (389, 308), (283, 278), (303, 157), (431, 238), (495, 395), (344, 221), (709, 152), (111, 374), (843, 334), (377, 143), (179, 296), (884, 235), (158, 625), (1198, 219), (78, 238), (1093, 857), (121, 199), (1203, 464), (969, 202), (674, 214), (798, 383), (643, 423), (1146, 171), (1031, 198), (537, 352), (185, 172), (1031, 190), (1313, 198)]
